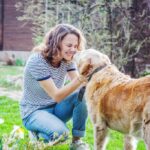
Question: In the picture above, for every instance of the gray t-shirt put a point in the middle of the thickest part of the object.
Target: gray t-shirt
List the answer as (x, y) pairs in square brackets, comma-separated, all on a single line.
[(37, 69)]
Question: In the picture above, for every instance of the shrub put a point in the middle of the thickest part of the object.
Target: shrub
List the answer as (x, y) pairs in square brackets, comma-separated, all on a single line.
[(19, 62), (145, 73)]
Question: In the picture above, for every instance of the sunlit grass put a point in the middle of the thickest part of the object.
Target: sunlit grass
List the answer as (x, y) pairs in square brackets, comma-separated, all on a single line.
[(9, 111)]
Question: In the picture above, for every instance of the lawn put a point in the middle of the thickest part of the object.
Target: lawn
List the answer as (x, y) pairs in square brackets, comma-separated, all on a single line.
[(9, 71), (9, 111)]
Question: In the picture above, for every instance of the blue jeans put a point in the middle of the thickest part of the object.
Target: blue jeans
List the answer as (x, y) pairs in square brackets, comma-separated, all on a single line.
[(49, 121)]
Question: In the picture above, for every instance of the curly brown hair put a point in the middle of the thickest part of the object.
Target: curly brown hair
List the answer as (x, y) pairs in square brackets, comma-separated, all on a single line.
[(51, 43)]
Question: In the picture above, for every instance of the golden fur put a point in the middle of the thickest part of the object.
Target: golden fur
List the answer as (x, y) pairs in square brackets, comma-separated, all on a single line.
[(115, 100)]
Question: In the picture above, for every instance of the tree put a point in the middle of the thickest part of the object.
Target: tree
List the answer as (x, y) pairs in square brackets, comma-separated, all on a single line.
[(116, 27)]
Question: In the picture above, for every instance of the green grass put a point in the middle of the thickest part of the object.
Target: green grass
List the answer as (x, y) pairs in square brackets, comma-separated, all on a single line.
[(6, 72), (9, 111)]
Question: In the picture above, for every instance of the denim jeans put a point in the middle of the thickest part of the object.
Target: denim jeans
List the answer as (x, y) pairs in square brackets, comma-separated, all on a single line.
[(47, 122)]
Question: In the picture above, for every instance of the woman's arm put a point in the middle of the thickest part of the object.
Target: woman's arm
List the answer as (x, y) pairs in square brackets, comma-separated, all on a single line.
[(59, 94)]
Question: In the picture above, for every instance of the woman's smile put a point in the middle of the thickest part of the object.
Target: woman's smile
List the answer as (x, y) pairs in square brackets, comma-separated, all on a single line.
[(69, 46)]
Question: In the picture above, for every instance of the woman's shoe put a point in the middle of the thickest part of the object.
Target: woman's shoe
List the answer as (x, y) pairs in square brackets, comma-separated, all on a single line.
[(79, 145)]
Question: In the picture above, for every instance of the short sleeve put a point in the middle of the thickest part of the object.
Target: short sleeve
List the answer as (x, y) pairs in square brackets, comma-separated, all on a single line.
[(38, 68), (71, 66)]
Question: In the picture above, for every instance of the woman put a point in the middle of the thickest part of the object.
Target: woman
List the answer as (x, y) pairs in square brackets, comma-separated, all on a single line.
[(46, 104)]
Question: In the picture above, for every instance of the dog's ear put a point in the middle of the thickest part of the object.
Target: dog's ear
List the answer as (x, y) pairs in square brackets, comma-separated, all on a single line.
[(85, 67)]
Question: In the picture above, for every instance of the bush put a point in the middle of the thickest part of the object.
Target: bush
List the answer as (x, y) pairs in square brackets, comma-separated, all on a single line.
[(19, 62), (145, 73)]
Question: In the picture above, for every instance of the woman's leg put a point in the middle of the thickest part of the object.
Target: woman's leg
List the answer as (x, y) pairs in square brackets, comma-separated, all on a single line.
[(46, 124), (71, 107)]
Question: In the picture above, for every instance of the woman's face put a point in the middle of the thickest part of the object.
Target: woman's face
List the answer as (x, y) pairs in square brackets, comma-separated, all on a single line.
[(69, 46)]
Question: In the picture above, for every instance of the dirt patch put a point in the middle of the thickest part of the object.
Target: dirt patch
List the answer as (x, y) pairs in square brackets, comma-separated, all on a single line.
[(14, 95)]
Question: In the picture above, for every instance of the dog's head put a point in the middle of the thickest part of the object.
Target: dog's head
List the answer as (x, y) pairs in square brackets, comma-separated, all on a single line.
[(90, 59)]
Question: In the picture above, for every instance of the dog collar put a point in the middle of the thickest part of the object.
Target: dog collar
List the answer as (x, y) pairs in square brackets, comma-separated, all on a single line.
[(82, 90)]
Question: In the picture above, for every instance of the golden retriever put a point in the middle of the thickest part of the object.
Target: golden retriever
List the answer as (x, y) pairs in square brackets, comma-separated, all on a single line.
[(115, 100)]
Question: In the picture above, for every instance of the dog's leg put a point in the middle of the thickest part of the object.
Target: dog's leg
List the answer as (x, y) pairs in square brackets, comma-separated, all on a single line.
[(146, 126), (135, 126), (100, 132), (130, 143), (147, 135)]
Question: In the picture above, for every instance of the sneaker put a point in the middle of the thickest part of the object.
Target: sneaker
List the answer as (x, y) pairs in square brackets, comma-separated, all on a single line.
[(79, 145), (33, 136)]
